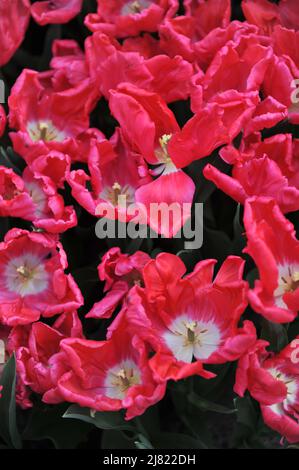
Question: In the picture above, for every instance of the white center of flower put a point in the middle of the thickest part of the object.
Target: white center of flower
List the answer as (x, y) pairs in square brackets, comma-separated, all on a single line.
[(120, 378), (187, 338), (292, 384), (288, 281), (134, 7), (26, 275), (44, 130), (118, 195)]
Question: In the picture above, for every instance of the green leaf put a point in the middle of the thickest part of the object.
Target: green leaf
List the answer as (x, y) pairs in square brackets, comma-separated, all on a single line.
[(8, 421), (143, 442), (246, 413), (116, 440), (206, 405), (10, 159), (102, 420), (276, 334), (46, 422)]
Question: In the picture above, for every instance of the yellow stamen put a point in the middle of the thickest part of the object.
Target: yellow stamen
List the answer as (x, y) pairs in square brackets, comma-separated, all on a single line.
[(43, 130), (24, 272), (135, 7), (191, 331), (163, 154), (291, 282), (125, 382)]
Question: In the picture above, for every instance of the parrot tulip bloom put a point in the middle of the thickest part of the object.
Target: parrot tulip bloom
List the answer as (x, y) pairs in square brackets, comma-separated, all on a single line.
[(121, 18), (54, 165), (120, 272), (33, 282), (210, 46), (110, 65), (110, 375), (262, 168), (115, 174), (182, 34), (239, 66), (279, 83), (14, 200), (68, 62), (46, 120), (194, 318), (57, 11), (34, 198), (37, 349), (150, 139), (274, 382), (276, 293), (50, 213), (160, 141)]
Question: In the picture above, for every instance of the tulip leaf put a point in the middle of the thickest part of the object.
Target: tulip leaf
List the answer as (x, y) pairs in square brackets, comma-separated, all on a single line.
[(11, 160), (276, 334), (101, 420), (47, 423), (8, 420), (206, 405)]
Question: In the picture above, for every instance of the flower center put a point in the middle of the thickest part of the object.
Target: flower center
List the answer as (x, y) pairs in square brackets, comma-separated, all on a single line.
[(25, 272), (187, 338), (162, 153), (291, 282), (191, 336), (45, 131), (121, 378), (26, 275), (290, 383), (288, 281), (165, 163), (124, 379), (118, 195), (135, 7)]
